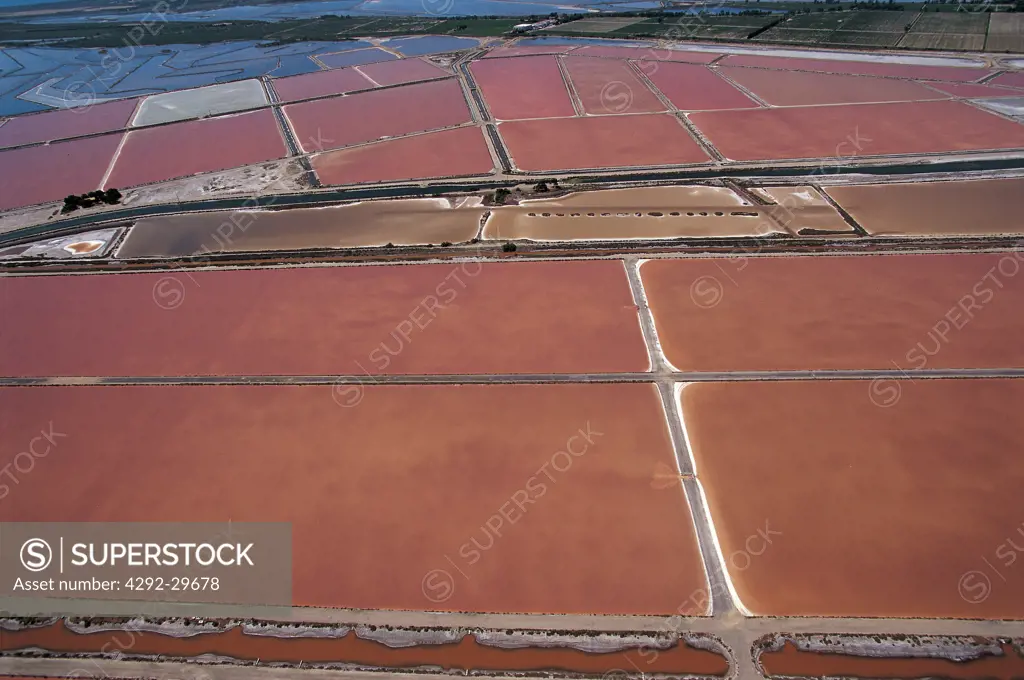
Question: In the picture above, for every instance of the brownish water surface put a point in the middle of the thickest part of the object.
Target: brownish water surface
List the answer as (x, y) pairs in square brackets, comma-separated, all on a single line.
[(164, 152), (802, 88), (481, 498), (523, 87), (336, 122), (607, 86), (850, 312), (875, 130), (880, 498), (448, 153), (653, 212), (453, 318), (803, 207), (991, 206), (72, 167), (845, 66), (599, 141), (64, 123), (371, 223), (464, 655)]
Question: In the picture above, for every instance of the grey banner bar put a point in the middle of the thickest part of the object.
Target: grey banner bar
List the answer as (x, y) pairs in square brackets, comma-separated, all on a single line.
[(45, 564)]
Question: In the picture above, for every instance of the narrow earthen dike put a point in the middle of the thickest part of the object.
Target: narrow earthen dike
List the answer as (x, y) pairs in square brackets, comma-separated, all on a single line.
[(888, 657)]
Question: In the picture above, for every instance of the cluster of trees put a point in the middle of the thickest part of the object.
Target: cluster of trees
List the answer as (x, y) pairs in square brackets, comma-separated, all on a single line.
[(73, 202), (501, 194)]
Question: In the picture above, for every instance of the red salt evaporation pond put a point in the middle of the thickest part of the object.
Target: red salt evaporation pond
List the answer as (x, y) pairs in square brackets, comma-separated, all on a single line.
[(802, 88), (978, 207), (646, 54), (1015, 79), (39, 174), (852, 312), (600, 142), (863, 130), (523, 87), (343, 121), (536, 317), (166, 152), (50, 125), (975, 91), (607, 86), (461, 152), (319, 84), (867, 68), (443, 483), (908, 510), (692, 87), (402, 71), (526, 50)]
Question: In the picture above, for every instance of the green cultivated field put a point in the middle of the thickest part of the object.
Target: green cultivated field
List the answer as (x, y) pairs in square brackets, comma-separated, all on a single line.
[(722, 27), (863, 39), (1005, 33), (799, 36), (883, 22), (602, 25), (474, 27), (959, 31), (752, 20), (923, 29), (908, 25), (960, 22), (944, 41), (816, 20), (724, 32)]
